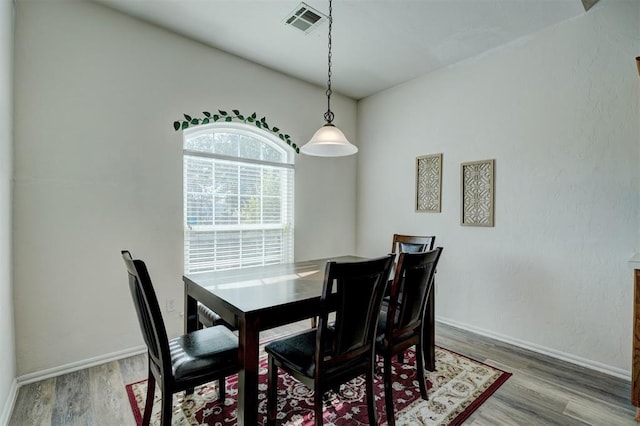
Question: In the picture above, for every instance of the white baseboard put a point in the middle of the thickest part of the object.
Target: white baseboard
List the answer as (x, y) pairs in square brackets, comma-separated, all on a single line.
[(9, 403), (79, 365), (583, 362)]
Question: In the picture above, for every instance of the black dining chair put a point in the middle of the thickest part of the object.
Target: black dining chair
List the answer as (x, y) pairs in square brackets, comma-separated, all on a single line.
[(412, 243), (329, 355), (209, 318), (408, 244), (182, 363), (401, 325)]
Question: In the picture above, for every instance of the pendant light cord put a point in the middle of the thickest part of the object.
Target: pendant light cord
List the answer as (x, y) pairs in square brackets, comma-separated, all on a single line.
[(328, 116)]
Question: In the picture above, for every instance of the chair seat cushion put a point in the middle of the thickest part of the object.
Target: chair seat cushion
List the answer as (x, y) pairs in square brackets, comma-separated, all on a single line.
[(382, 329), (297, 352), (200, 352), (206, 316)]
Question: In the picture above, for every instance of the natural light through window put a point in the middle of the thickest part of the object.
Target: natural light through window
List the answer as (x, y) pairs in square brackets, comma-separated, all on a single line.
[(238, 198)]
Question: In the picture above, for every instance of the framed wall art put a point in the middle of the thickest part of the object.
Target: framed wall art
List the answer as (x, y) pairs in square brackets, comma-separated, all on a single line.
[(429, 183), (477, 191)]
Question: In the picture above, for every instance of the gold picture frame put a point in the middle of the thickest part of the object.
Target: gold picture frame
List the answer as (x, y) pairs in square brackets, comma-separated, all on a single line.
[(429, 183), (477, 193)]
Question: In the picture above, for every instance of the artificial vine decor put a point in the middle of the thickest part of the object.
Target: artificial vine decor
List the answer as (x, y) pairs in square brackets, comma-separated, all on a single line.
[(235, 115)]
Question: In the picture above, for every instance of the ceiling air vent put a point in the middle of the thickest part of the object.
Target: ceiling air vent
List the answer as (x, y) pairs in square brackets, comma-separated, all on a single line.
[(305, 18)]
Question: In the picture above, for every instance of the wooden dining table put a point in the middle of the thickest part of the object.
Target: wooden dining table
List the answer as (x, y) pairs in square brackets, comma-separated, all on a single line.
[(259, 298)]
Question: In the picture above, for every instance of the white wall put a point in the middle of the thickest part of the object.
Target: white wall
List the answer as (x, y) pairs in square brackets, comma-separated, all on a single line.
[(7, 347), (558, 112), (99, 169)]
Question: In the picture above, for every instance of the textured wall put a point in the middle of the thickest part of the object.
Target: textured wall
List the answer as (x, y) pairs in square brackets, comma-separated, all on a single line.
[(7, 348), (99, 168), (558, 111)]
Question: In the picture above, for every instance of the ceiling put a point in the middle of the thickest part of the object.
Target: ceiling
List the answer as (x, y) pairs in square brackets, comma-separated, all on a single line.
[(376, 43)]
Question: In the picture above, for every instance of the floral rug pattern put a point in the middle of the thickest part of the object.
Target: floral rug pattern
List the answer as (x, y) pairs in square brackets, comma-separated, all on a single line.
[(456, 389)]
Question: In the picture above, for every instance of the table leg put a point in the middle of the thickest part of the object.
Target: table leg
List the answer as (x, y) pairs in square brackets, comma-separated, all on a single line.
[(248, 344), (429, 337), (190, 312)]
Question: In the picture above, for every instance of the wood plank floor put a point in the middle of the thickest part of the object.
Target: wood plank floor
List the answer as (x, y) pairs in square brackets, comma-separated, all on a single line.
[(542, 390)]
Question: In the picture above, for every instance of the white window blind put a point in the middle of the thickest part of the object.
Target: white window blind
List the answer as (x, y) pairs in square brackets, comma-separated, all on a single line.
[(238, 199)]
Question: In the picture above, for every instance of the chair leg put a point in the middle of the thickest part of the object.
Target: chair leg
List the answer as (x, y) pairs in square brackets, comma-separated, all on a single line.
[(148, 405), (371, 400), (376, 369), (318, 404), (422, 378), (167, 406), (388, 391), (401, 357), (222, 388), (272, 392)]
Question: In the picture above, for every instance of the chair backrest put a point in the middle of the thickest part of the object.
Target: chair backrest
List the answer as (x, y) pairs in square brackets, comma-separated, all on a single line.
[(413, 281), (412, 243), (359, 289), (148, 310)]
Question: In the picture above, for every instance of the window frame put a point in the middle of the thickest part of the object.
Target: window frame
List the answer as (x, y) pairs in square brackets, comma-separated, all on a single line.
[(263, 136)]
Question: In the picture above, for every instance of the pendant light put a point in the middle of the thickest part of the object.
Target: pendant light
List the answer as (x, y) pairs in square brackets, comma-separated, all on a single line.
[(329, 141)]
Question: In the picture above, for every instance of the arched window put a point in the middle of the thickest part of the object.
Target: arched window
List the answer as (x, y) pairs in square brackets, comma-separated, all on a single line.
[(238, 198)]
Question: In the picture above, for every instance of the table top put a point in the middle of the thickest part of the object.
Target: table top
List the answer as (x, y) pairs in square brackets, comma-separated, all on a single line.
[(266, 287)]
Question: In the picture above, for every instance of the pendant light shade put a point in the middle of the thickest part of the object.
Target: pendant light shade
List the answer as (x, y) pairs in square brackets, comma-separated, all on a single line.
[(329, 141)]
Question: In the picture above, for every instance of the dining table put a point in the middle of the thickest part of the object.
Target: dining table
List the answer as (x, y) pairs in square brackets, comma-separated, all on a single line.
[(258, 298)]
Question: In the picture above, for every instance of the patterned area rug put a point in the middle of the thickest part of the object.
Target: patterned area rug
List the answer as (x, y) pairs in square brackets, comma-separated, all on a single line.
[(456, 389)]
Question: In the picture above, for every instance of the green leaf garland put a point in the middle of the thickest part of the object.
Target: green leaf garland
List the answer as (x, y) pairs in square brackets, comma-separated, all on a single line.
[(235, 115)]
